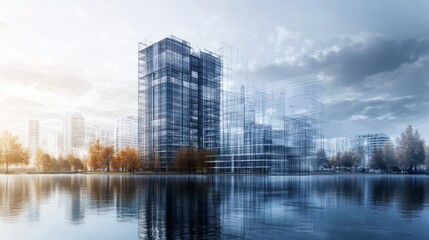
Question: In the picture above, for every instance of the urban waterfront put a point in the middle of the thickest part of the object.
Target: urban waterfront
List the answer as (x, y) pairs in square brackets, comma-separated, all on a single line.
[(214, 207)]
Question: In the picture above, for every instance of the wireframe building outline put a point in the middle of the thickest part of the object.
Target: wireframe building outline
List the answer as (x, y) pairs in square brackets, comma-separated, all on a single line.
[(199, 98)]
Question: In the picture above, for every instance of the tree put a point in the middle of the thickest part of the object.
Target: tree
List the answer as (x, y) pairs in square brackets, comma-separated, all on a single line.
[(427, 156), (95, 156), (128, 159), (47, 163), (11, 152), (203, 156), (115, 164), (186, 159), (411, 152), (360, 154), (321, 159), (389, 155), (349, 159), (38, 158), (377, 160), (108, 155), (63, 164), (76, 163), (335, 160), (383, 158)]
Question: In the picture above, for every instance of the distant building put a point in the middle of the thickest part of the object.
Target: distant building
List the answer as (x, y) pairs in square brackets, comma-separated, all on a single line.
[(93, 133), (125, 132), (89, 137), (104, 135), (366, 144), (30, 136), (332, 146), (55, 143), (74, 133)]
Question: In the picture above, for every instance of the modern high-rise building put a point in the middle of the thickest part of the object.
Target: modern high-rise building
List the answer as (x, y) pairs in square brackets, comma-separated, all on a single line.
[(73, 134), (198, 98), (30, 136), (179, 98), (125, 132), (55, 143)]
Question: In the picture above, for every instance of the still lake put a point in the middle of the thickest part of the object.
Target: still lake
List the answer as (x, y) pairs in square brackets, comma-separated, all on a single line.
[(214, 207)]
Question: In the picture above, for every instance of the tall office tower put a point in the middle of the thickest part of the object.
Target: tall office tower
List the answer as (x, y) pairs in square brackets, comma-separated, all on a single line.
[(125, 132), (30, 136), (55, 143), (179, 95), (73, 134)]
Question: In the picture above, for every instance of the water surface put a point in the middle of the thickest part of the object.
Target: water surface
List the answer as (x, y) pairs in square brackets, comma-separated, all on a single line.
[(214, 207)]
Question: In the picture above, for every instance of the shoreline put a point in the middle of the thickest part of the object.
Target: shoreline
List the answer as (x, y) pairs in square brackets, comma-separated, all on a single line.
[(213, 174)]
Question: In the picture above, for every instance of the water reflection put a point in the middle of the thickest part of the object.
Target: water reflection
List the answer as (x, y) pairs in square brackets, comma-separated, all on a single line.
[(222, 206)]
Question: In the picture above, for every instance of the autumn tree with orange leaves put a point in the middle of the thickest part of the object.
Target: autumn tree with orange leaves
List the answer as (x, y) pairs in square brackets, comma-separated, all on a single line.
[(11, 151)]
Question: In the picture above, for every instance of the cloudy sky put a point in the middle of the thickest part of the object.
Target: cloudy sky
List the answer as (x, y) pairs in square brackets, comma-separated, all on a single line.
[(60, 56)]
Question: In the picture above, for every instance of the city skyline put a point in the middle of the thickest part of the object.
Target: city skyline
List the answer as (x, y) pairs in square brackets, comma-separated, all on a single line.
[(368, 64)]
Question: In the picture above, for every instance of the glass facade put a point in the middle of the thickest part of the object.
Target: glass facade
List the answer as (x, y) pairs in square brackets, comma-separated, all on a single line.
[(178, 99), (268, 127), (258, 135), (197, 98)]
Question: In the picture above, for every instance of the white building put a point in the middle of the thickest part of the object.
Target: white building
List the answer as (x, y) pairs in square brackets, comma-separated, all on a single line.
[(103, 134), (93, 133), (334, 145), (366, 144), (55, 143), (30, 135), (73, 134), (125, 132)]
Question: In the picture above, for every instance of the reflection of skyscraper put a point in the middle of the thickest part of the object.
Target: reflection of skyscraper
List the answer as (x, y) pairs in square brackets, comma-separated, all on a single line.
[(73, 130), (31, 135), (125, 132), (77, 209), (179, 208)]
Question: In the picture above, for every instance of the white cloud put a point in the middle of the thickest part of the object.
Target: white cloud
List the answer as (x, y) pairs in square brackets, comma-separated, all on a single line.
[(357, 117)]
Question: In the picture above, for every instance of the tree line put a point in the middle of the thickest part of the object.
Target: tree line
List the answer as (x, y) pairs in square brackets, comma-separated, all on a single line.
[(101, 158), (47, 163), (410, 155)]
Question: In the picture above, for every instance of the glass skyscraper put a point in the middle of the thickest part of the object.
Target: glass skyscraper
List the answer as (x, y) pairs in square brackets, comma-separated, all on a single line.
[(179, 98)]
